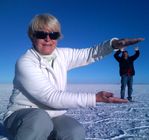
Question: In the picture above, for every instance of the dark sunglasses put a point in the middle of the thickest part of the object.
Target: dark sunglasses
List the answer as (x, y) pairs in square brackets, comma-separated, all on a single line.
[(43, 35)]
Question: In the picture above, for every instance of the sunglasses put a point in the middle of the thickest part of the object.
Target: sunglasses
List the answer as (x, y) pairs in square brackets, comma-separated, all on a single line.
[(43, 35)]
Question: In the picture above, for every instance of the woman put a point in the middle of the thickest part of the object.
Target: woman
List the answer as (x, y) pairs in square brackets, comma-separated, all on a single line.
[(39, 100)]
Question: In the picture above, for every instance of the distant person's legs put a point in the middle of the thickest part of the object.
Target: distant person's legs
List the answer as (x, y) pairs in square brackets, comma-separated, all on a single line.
[(123, 85), (67, 128), (130, 89), (29, 124)]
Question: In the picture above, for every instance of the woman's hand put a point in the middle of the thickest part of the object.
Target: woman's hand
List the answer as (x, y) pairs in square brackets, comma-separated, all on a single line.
[(107, 97), (122, 43)]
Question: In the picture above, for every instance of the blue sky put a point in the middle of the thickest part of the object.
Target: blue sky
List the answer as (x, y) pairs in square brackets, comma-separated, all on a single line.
[(84, 23)]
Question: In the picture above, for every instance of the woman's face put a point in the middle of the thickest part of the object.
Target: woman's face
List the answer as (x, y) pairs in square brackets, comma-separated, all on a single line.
[(43, 43)]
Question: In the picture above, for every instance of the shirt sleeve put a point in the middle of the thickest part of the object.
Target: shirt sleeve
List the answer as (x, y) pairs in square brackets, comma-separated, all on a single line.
[(81, 57)]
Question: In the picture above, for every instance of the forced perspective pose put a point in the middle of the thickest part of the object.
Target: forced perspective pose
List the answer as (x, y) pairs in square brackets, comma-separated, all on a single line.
[(39, 101)]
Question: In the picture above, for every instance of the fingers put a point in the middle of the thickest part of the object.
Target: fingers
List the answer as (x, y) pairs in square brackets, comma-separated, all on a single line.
[(117, 100), (107, 99), (141, 39), (127, 41), (121, 43), (133, 41)]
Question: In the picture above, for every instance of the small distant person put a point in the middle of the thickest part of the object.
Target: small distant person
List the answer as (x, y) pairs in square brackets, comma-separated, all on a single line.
[(39, 100), (126, 70)]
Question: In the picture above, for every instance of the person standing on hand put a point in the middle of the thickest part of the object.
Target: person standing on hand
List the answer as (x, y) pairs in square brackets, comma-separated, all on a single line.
[(39, 100), (126, 70)]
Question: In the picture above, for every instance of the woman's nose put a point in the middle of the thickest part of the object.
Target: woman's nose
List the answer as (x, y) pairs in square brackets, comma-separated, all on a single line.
[(47, 38)]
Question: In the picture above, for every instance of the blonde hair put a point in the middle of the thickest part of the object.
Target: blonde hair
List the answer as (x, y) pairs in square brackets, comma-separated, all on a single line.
[(43, 21)]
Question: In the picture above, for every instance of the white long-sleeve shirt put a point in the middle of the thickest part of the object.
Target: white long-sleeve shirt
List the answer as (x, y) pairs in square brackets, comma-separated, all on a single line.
[(37, 84)]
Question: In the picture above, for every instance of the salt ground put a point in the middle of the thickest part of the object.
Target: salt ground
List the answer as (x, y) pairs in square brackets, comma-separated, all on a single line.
[(127, 121)]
